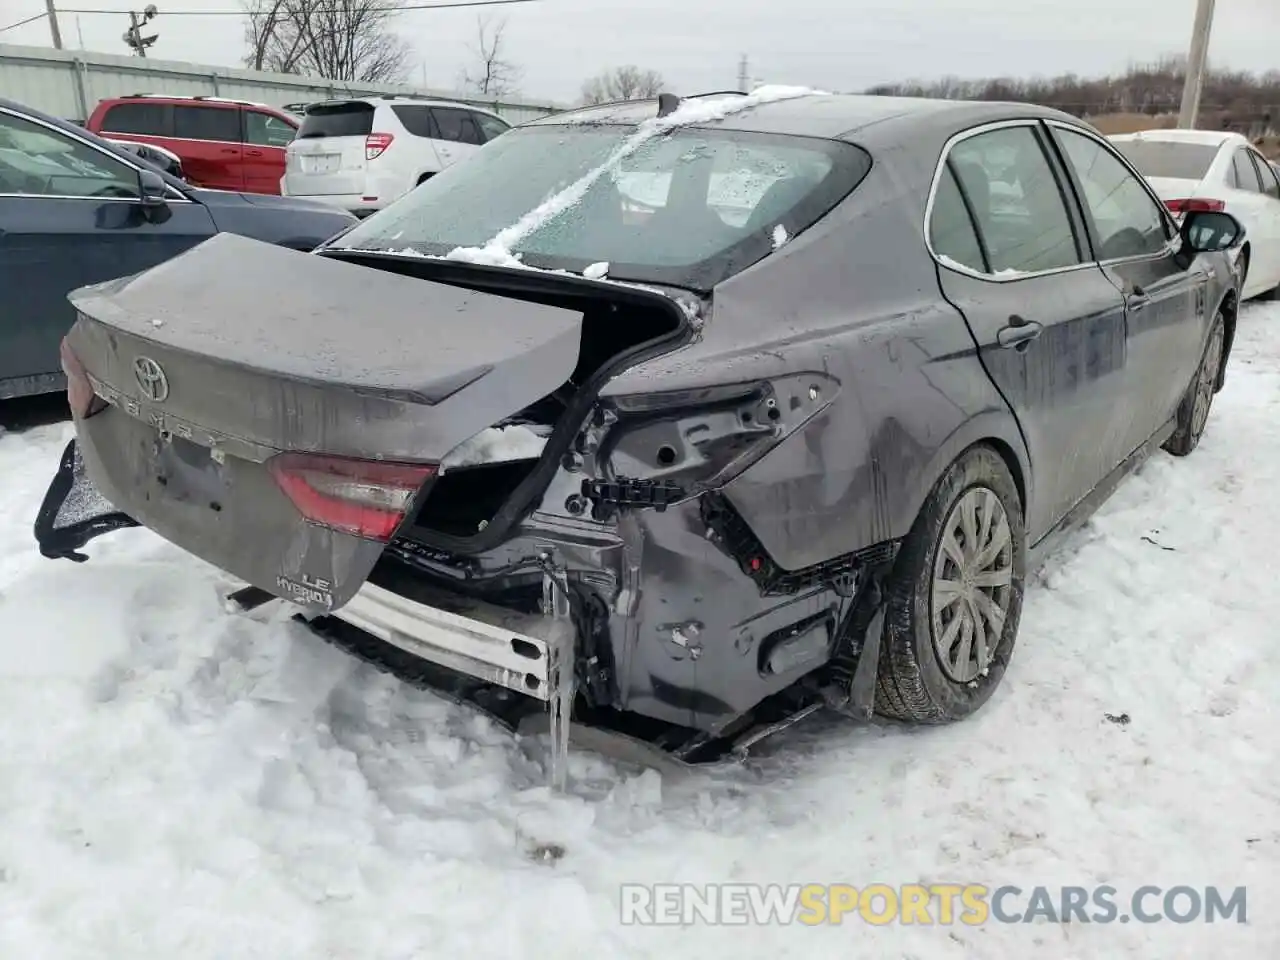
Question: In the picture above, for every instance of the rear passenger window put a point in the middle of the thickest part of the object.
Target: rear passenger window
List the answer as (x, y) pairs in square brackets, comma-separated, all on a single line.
[(417, 120), (1246, 175), (1270, 185), (148, 119), (206, 123), (951, 231), (1016, 200), (456, 125)]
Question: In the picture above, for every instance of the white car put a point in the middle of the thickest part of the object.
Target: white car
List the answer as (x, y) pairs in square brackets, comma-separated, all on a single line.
[(1215, 170), (363, 153)]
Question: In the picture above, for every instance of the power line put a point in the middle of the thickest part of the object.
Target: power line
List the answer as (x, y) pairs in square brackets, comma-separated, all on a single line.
[(391, 8), (23, 23)]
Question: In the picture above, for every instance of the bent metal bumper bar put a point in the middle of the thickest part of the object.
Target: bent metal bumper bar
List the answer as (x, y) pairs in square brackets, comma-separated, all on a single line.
[(521, 652)]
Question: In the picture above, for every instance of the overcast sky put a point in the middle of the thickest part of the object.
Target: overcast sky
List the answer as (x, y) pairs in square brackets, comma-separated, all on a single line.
[(695, 44)]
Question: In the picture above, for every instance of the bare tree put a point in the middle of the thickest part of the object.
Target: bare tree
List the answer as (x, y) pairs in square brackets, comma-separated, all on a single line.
[(339, 39), (622, 83), (492, 74)]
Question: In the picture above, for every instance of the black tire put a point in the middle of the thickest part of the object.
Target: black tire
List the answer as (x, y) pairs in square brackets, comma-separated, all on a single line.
[(1191, 417), (912, 684)]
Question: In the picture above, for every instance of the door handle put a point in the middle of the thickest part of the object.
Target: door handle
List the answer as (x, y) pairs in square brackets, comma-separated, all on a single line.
[(230, 150), (253, 153), (1019, 333), (1137, 298)]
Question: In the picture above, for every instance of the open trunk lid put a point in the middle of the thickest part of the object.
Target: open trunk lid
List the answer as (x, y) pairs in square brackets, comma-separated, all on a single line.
[(232, 407)]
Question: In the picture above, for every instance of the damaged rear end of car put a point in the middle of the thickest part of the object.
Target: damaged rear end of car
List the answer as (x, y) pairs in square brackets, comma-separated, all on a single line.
[(424, 453)]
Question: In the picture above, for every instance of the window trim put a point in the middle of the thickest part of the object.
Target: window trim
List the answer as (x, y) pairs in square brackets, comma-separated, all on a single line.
[(1073, 216), (175, 195), (1172, 245)]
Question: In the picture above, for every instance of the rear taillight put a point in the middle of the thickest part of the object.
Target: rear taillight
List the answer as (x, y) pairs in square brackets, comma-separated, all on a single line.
[(84, 403), (1195, 205), (375, 144), (367, 498)]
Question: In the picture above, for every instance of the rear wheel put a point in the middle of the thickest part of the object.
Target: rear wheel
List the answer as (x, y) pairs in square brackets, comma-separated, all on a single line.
[(955, 596), (1193, 411)]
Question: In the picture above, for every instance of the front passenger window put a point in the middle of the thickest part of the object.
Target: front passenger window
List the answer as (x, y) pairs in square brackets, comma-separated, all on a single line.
[(1127, 221), (39, 161)]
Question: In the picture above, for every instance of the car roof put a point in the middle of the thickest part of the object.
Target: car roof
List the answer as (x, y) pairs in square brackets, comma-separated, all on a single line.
[(1208, 138), (393, 99), (830, 116)]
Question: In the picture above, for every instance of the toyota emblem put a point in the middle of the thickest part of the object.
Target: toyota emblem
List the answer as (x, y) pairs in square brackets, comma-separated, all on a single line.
[(151, 379)]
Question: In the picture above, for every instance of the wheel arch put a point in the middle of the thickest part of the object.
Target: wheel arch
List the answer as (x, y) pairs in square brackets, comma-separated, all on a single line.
[(994, 429)]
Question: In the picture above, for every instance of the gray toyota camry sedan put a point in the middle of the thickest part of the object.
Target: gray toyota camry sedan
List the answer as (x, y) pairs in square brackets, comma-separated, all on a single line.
[(676, 420)]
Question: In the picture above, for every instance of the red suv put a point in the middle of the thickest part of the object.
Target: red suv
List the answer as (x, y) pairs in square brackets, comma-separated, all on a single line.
[(223, 144)]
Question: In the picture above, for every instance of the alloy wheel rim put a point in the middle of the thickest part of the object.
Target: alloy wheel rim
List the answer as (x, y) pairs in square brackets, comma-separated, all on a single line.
[(972, 584)]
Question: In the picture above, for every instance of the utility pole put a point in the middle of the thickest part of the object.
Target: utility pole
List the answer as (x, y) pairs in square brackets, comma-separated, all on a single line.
[(133, 37), (1197, 59), (742, 74), (136, 34), (53, 24)]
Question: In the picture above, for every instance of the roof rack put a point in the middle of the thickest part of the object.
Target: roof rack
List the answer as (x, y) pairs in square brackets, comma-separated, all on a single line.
[(201, 97)]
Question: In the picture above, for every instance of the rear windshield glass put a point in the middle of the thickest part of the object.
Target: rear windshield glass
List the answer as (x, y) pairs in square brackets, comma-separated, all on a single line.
[(690, 208), (1165, 158), (337, 120)]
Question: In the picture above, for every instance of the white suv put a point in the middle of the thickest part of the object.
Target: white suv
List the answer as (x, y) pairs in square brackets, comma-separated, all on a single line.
[(363, 153)]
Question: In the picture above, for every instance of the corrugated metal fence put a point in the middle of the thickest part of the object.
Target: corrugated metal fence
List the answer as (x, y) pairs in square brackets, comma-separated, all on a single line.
[(69, 83)]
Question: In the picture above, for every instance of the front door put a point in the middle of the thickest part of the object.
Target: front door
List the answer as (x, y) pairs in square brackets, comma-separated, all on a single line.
[(1135, 241), (70, 215), (1049, 326)]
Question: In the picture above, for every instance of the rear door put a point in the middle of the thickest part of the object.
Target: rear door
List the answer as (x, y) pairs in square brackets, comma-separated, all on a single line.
[(458, 134), (1049, 326), (69, 216), (419, 155), (210, 144), (327, 157), (266, 140), (1136, 242)]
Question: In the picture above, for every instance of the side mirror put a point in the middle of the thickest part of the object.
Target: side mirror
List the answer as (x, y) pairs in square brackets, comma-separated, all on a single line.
[(1208, 231), (152, 190)]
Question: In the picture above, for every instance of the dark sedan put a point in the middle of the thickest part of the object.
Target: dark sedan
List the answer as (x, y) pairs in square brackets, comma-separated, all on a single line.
[(789, 439), (76, 209)]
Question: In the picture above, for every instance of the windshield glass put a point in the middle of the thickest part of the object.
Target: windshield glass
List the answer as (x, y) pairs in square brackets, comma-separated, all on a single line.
[(688, 208), (1166, 158)]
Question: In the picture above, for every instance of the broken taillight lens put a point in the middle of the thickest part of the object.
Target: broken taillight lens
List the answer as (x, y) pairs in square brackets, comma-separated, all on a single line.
[(84, 403), (366, 498), (375, 144)]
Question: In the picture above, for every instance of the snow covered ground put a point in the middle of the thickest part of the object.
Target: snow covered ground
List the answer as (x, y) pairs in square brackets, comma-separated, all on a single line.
[(179, 783)]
